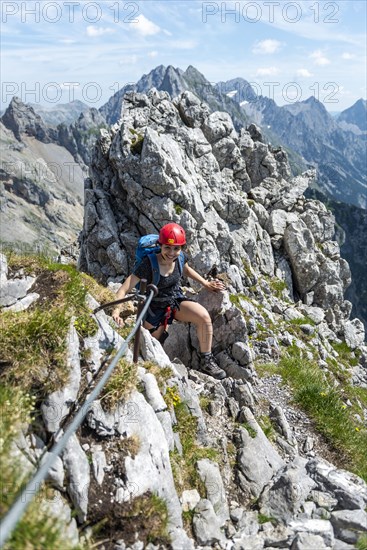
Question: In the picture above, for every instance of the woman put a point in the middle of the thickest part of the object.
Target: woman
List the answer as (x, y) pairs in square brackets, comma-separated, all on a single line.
[(171, 303)]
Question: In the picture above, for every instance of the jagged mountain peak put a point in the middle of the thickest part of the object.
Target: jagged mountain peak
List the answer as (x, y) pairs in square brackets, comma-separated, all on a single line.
[(191, 72), (309, 105), (356, 115), (238, 89), (174, 81), (21, 119)]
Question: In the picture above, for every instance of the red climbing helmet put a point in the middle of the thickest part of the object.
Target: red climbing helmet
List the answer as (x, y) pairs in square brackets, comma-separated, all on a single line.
[(172, 234)]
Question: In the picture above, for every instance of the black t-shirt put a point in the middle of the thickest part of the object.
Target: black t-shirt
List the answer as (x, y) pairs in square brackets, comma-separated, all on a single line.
[(168, 286)]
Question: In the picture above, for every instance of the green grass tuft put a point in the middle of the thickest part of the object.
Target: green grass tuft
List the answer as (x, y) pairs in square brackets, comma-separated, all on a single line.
[(184, 466), (122, 381), (361, 544), (325, 404)]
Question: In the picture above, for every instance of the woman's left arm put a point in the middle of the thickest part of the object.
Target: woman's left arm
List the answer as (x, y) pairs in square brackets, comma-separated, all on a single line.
[(214, 285)]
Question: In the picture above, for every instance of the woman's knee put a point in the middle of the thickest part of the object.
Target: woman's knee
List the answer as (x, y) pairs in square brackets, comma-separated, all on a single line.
[(205, 317)]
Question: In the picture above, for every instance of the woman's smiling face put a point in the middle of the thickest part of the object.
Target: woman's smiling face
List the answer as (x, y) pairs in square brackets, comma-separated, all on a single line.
[(170, 252)]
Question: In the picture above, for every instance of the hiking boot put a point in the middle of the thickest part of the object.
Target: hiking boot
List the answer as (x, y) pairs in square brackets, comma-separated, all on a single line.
[(208, 365)]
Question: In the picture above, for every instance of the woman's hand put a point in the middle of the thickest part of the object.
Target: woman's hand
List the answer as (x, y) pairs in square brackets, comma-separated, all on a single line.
[(215, 285), (116, 317)]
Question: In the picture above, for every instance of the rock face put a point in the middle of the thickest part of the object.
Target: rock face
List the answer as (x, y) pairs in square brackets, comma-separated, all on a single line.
[(285, 280), (80, 137), (232, 193)]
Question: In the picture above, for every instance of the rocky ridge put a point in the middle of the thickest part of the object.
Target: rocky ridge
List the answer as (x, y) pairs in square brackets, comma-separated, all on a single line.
[(56, 114), (244, 213)]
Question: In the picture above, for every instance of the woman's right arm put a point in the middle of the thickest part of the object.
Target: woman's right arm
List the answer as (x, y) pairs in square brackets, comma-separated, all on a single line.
[(124, 289)]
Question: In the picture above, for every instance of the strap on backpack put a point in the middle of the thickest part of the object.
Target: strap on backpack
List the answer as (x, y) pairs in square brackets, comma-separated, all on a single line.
[(181, 262), (155, 268)]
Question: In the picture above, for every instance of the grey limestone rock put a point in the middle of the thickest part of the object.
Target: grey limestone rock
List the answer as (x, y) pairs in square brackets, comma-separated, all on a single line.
[(281, 423), (319, 220), (258, 461), (58, 508), (78, 473), (291, 191), (150, 470), (242, 353), (317, 527), (307, 541), (206, 524), (24, 303), (347, 488), (57, 405), (99, 463), (255, 542), (354, 333), (349, 525), (22, 119), (300, 246), (152, 392), (101, 342), (210, 475), (3, 269), (323, 499), (192, 111), (151, 349), (287, 492), (189, 499), (15, 289)]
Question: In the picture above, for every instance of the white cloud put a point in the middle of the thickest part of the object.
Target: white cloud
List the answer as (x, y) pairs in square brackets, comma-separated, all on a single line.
[(94, 31), (146, 27), (303, 73), (268, 46), (319, 58), (152, 54), (347, 55), (267, 71)]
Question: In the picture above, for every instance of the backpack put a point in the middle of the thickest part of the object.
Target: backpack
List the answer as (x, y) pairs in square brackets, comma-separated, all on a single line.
[(148, 246)]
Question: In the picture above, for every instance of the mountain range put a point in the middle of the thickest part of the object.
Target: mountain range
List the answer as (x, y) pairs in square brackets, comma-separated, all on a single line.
[(335, 146)]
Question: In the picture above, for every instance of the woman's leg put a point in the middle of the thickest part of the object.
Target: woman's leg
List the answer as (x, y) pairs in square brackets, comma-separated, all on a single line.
[(191, 312), (156, 334)]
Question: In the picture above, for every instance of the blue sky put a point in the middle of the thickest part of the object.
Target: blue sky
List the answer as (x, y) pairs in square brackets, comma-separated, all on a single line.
[(55, 51)]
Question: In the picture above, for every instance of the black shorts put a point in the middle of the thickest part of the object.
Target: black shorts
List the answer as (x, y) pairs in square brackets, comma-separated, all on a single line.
[(156, 315)]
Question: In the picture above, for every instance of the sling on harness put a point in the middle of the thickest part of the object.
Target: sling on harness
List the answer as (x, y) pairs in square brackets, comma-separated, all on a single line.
[(163, 337)]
